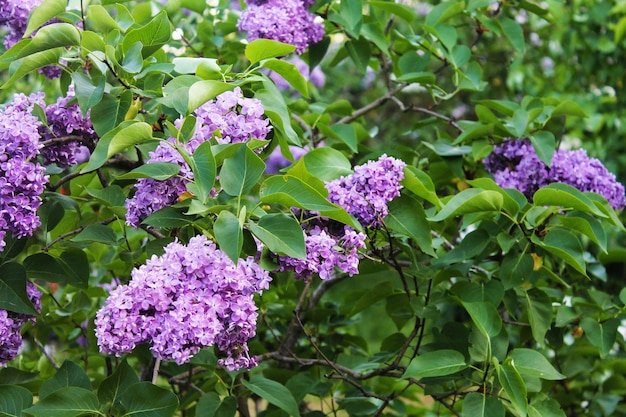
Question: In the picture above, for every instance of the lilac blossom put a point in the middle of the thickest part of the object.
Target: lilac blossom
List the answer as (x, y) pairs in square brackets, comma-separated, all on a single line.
[(22, 181), (11, 324), (14, 15), (230, 118), (189, 298), (65, 119), (515, 164), (286, 21), (365, 193), (326, 250)]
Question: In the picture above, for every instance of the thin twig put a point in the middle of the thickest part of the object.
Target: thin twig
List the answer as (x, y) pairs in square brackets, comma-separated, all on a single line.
[(46, 354), (76, 231), (155, 370)]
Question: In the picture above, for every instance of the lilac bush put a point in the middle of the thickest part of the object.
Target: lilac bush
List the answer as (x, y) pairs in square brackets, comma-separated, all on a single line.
[(191, 297), (515, 164)]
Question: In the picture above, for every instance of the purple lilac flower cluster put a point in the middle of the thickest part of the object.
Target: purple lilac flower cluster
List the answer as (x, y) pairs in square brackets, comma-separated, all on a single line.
[(14, 15), (64, 120), (287, 21), (365, 193), (515, 164), (230, 118), (21, 180), (191, 297), (327, 248), (11, 324)]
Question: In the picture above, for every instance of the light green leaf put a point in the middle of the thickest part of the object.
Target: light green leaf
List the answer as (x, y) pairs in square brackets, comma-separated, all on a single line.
[(327, 163), (347, 134), (241, 172), (99, 19), (274, 393), (110, 112), (23, 66), (402, 11), (276, 109), (444, 11), (202, 91), (123, 136), (421, 185), (43, 13), (204, 170), (50, 37), (532, 363), (156, 170), (281, 233), (472, 200), (436, 363), (542, 406), (566, 196), (293, 192), (588, 226), (88, 94), (133, 61), (152, 36), (514, 33), (568, 108), (260, 49), (514, 386), (229, 234), (67, 402), (544, 144), (290, 73), (485, 317)]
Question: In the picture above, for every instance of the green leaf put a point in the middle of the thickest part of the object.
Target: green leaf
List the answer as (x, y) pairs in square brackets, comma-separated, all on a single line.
[(485, 317), (144, 399), (542, 406), (241, 172), (360, 53), (514, 33), (510, 204), (436, 363), (167, 217), (587, 225), (420, 183), (99, 19), (515, 269), (293, 192), (69, 375), (133, 61), (544, 144), (23, 66), (152, 36), (43, 13), (10, 376), (403, 12), (327, 163), (444, 11), (260, 49), (97, 233), (281, 233), (539, 313), (113, 386), (204, 170), (601, 335), (229, 235), (366, 298), (276, 109), (407, 216), (514, 386), (76, 265), (472, 200), (210, 405), (564, 245), (531, 363), (274, 393), (347, 134), (566, 196), (13, 289), (352, 13), (568, 108), (14, 399), (480, 405), (156, 170), (66, 402), (202, 91), (44, 266), (87, 94), (290, 73), (110, 112), (50, 37), (445, 148), (123, 136), (419, 77), (112, 196)]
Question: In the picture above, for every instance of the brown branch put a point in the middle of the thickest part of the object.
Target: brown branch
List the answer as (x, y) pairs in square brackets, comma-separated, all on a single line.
[(373, 105), (77, 231)]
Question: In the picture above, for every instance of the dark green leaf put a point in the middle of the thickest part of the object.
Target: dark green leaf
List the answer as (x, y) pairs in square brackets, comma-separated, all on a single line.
[(97, 233), (66, 402), (407, 216), (544, 144), (14, 399), (167, 217), (113, 386), (444, 11), (13, 289), (113, 195), (566, 196), (210, 405), (276, 109), (69, 375), (88, 92), (76, 265), (229, 234), (485, 317), (346, 134), (480, 405), (274, 393), (436, 363), (44, 266), (110, 112), (403, 12), (281, 233), (513, 385), (144, 399), (539, 313), (564, 245), (601, 335)]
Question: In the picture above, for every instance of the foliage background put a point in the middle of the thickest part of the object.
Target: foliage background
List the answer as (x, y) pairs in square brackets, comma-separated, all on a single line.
[(470, 301)]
